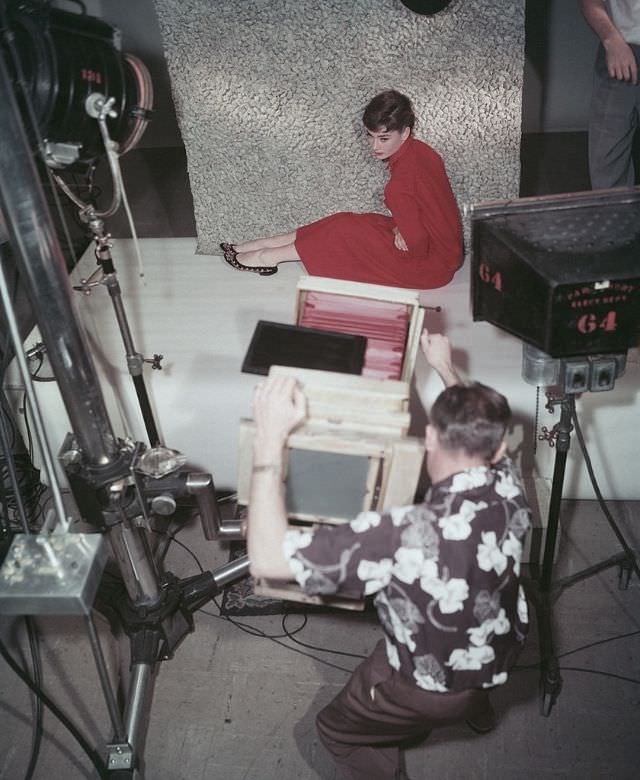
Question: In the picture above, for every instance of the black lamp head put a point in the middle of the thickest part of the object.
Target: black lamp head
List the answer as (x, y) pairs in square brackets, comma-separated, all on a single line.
[(426, 7)]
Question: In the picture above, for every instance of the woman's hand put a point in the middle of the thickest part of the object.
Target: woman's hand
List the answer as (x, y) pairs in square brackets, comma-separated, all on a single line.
[(399, 242)]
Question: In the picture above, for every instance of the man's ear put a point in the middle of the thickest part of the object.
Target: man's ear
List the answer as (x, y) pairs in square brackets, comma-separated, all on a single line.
[(430, 438), (499, 453)]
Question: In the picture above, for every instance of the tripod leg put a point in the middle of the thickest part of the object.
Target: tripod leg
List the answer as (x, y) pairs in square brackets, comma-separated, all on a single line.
[(624, 573), (137, 714), (550, 679)]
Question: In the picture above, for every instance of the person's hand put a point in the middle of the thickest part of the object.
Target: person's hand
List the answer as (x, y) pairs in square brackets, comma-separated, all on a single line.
[(436, 348), (399, 242), (437, 351), (621, 61), (279, 406)]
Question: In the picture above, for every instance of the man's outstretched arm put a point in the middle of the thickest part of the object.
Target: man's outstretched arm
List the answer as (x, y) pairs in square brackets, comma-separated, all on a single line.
[(279, 407), (437, 350)]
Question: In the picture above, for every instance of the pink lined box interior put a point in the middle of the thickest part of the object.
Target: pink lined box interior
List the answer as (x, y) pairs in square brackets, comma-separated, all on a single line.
[(384, 323)]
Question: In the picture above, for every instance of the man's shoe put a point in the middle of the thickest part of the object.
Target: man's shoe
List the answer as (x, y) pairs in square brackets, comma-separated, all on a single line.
[(483, 723)]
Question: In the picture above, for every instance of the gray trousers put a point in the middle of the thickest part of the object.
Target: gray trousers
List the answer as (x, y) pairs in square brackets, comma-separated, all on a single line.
[(615, 107), (377, 711)]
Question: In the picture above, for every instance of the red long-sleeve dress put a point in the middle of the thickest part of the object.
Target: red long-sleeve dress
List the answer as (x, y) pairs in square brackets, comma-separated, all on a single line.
[(360, 247)]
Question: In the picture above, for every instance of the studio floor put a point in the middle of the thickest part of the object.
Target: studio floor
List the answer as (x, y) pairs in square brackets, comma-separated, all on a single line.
[(238, 700)]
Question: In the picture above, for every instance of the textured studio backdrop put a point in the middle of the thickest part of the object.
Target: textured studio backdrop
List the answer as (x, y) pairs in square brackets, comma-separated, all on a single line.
[(269, 95)]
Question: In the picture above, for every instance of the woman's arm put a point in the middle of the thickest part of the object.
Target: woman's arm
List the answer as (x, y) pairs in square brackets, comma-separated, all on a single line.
[(421, 202), (403, 204)]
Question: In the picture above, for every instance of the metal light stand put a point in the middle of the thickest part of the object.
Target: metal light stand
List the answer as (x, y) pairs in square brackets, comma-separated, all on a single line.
[(109, 278), (98, 107), (544, 590), (121, 484)]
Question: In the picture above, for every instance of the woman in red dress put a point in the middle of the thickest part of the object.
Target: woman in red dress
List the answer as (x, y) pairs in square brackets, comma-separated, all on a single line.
[(419, 246)]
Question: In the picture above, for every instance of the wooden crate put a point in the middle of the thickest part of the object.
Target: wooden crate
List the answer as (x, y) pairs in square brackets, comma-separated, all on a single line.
[(355, 436), (386, 469), (365, 468), (390, 317)]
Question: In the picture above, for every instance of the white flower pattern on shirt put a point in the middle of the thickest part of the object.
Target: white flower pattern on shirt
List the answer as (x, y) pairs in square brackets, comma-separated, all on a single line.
[(445, 573), (450, 594), (471, 658), (458, 526), (489, 555), (409, 564), (513, 547), (364, 521), (497, 679), (401, 616), (481, 634), (523, 609), (428, 674), (376, 574), (468, 479), (506, 486)]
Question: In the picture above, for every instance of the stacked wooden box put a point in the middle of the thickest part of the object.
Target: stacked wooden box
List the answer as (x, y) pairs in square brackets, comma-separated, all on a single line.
[(353, 453)]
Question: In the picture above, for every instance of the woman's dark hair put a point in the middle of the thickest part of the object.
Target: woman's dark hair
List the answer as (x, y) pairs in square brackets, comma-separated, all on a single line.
[(472, 418), (390, 110)]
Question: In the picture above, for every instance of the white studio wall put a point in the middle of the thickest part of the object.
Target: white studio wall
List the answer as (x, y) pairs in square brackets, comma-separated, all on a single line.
[(269, 95)]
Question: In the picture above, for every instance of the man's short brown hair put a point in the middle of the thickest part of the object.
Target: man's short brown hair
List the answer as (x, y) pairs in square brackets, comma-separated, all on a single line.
[(472, 418)]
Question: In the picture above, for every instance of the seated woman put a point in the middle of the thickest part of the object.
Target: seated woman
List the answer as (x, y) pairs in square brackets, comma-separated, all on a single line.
[(419, 246)]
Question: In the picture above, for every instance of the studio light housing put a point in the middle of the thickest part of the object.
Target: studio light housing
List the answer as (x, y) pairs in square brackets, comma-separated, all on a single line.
[(59, 59), (560, 272)]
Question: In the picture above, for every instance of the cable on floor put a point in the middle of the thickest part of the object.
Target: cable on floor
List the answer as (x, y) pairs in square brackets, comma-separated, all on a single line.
[(253, 631), (36, 664), (91, 754)]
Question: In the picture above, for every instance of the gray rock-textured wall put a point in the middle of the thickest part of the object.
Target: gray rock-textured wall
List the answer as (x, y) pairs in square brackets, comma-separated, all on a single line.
[(269, 96)]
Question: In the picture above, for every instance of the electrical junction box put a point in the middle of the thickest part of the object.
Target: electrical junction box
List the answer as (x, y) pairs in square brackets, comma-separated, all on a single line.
[(51, 574)]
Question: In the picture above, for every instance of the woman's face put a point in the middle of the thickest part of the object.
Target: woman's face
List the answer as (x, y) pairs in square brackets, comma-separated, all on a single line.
[(384, 143)]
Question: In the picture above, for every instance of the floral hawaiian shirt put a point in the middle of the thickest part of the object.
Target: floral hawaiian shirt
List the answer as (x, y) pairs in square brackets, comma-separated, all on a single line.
[(446, 574)]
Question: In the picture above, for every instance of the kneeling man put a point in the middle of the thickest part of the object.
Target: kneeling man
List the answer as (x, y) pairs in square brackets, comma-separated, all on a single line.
[(445, 572)]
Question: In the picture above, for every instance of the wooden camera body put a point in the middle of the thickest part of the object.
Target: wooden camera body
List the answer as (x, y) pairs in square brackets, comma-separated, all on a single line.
[(353, 452)]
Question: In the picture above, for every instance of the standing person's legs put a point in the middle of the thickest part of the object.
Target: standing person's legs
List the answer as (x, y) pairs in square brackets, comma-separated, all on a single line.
[(366, 724), (612, 124)]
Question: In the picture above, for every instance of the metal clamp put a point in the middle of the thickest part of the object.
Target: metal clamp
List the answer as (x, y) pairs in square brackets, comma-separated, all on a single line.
[(155, 361), (119, 756)]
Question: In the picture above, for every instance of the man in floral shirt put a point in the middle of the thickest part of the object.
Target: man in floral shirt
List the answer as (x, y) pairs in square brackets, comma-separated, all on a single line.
[(445, 572)]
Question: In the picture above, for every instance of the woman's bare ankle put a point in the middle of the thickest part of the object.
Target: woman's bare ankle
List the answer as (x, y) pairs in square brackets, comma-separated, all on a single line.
[(249, 246), (253, 258), (270, 242)]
